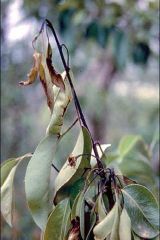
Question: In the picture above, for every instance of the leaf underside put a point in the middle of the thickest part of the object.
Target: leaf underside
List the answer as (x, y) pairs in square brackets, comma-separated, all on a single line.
[(142, 209)]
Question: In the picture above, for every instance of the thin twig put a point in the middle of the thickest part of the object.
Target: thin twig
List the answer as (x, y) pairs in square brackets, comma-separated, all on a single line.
[(76, 101), (63, 45), (55, 167), (62, 135)]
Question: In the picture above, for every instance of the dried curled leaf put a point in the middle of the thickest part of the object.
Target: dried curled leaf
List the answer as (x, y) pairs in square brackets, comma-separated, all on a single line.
[(43, 68), (55, 77), (46, 83), (32, 75), (40, 68), (62, 100)]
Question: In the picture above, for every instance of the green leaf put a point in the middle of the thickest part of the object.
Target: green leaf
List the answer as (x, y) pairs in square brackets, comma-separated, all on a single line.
[(134, 162), (7, 197), (70, 191), (109, 158), (8, 170), (135, 237), (137, 169), (92, 223), (70, 173), (101, 211), (108, 226), (37, 180), (115, 227), (78, 210), (129, 142), (125, 226), (76, 205), (61, 102), (58, 222), (6, 167), (142, 209), (63, 148)]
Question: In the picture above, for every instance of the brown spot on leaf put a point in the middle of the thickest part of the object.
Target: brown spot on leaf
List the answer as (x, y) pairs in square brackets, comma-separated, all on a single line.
[(72, 161), (74, 232)]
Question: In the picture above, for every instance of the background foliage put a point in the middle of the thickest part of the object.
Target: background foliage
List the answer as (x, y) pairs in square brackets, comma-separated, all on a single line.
[(113, 49)]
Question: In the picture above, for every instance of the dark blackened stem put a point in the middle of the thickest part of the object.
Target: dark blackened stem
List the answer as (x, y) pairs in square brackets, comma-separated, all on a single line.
[(109, 193), (76, 101), (60, 47)]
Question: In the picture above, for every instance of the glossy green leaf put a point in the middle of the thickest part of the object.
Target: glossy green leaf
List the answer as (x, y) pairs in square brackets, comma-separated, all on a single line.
[(71, 173), (70, 191), (108, 225), (128, 142), (8, 170), (125, 226), (62, 99), (37, 180), (142, 209), (76, 205), (58, 222)]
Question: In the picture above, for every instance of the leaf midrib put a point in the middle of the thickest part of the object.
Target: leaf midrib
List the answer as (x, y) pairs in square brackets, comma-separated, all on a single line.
[(138, 208)]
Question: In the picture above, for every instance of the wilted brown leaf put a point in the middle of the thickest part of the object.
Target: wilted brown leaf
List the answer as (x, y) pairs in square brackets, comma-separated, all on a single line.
[(32, 75), (43, 68), (55, 77), (47, 84)]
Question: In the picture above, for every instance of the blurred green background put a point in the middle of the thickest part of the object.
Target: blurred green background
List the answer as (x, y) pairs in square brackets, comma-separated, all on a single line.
[(113, 47)]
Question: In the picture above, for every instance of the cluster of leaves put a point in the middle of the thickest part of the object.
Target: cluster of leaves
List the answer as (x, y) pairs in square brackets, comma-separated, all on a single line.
[(86, 200)]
